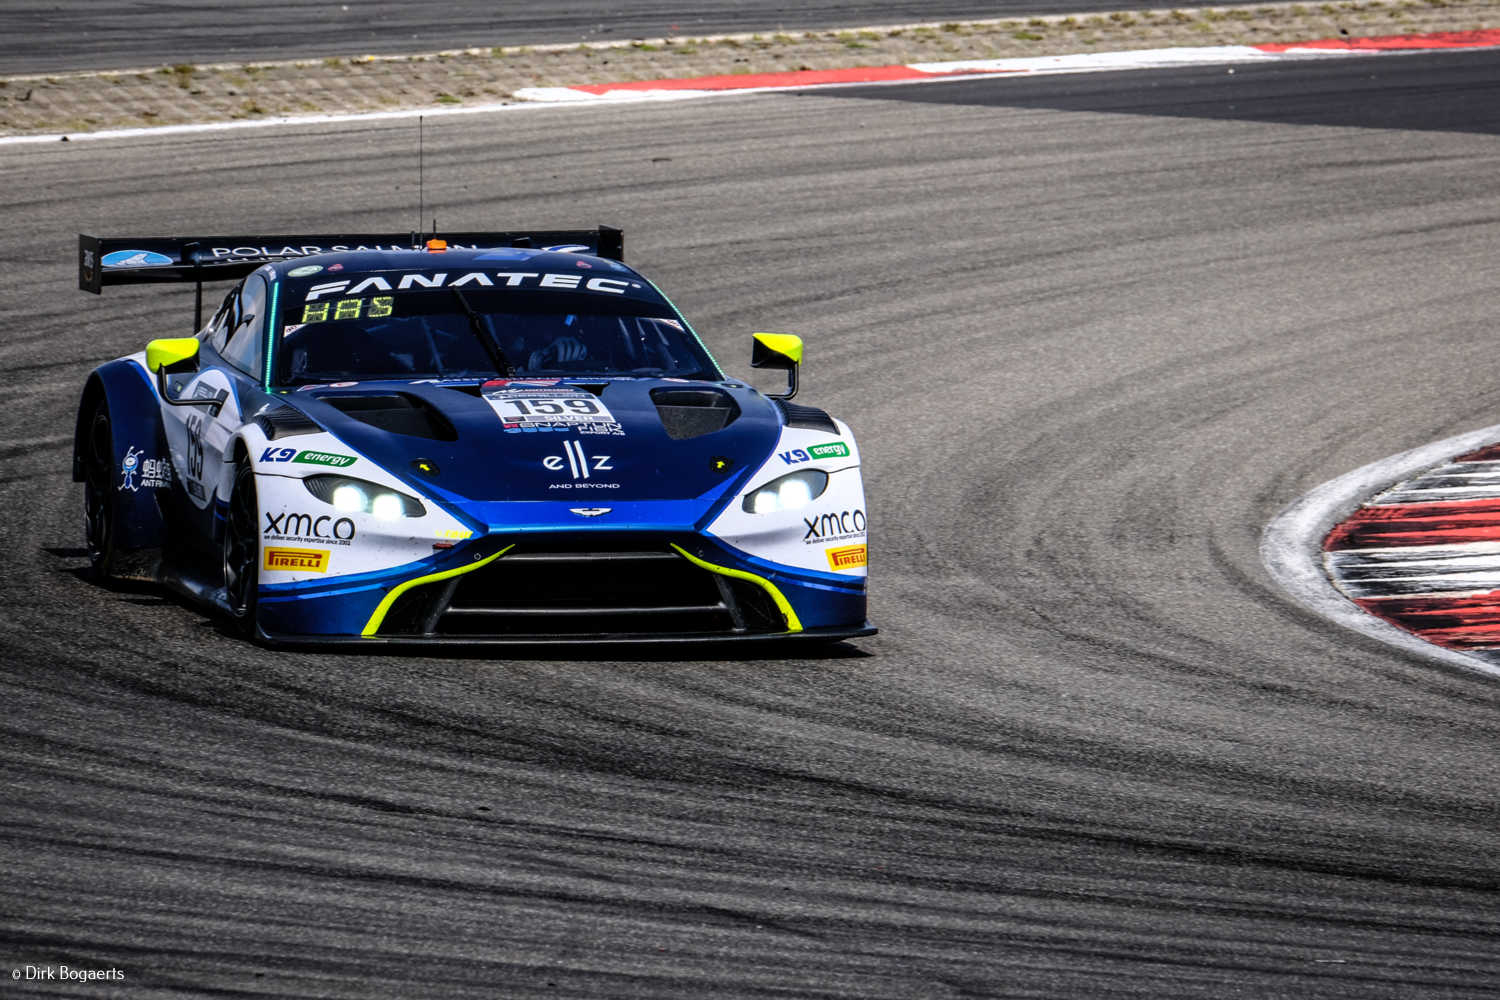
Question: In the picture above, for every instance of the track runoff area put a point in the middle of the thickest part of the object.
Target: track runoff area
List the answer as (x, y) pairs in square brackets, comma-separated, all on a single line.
[(687, 88), (1080, 63)]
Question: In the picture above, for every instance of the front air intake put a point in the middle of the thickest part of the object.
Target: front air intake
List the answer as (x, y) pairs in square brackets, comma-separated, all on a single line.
[(592, 587)]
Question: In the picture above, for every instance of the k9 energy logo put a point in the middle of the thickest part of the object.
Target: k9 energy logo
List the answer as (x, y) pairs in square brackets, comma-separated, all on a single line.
[(831, 449), (823, 528), (307, 457), (322, 529)]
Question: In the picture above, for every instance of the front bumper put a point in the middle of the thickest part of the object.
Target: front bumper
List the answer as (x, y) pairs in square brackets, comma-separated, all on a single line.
[(573, 588)]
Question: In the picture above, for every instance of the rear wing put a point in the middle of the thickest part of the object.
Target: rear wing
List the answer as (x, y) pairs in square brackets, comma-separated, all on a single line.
[(128, 260)]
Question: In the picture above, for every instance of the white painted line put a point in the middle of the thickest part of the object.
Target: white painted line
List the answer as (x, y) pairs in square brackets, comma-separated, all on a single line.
[(625, 95), (278, 122), (1094, 62)]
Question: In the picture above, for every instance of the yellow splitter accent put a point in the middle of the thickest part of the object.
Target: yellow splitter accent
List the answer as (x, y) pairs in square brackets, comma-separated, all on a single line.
[(793, 623), (378, 618)]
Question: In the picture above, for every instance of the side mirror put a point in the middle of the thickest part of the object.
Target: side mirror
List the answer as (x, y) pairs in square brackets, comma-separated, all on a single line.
[(178, 356), (172, 354), (781, 351)]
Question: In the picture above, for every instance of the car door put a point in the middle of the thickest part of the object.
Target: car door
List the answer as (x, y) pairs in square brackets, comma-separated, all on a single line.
[(198, 435)]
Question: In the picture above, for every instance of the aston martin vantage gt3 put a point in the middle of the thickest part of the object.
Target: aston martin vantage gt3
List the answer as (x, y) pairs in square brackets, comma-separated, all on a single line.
[(496, 437)]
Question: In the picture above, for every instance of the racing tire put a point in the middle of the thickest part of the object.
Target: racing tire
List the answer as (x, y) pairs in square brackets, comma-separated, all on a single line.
[(100, 509), (242, 551)]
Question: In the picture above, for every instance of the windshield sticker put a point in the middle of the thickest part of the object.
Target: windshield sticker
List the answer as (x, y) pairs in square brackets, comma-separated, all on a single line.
[(542, 410), (506, 279), (375, 307)]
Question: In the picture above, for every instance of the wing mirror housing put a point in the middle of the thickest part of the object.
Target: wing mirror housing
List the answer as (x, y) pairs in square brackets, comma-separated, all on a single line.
[(172, 355), (178, 356), (781, 351)]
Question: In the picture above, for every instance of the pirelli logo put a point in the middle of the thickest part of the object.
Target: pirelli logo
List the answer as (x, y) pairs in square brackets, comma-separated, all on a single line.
[(848, 557), (297, 560)]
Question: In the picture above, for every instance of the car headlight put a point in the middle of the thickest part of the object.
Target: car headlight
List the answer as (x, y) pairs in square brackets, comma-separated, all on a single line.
[(787, 493), (357, 496)]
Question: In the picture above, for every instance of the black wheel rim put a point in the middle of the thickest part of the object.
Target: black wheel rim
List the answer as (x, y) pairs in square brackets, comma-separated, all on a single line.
[(98, 498), (241, 547)]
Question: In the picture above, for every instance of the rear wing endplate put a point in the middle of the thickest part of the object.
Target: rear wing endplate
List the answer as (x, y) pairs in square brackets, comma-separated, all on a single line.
[(128, 260)]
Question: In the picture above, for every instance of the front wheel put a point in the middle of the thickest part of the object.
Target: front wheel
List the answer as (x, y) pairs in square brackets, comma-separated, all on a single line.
[(99, 502), (242, 550)]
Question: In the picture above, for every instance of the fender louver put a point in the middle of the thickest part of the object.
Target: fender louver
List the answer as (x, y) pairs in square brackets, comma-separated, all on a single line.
[(283, 421), (807, 416)]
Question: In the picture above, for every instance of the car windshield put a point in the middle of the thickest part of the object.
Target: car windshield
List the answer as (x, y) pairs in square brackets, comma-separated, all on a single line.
[(478, 332)]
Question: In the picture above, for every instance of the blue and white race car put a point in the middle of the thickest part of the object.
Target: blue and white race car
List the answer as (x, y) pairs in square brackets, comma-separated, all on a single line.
[(500, 437)]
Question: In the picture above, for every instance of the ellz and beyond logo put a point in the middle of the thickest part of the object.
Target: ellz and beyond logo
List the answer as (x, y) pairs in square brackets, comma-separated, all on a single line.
[(579, 464)]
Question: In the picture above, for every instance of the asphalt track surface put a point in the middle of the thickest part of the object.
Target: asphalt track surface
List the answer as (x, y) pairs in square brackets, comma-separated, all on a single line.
[(1093, 333), (59, 35)]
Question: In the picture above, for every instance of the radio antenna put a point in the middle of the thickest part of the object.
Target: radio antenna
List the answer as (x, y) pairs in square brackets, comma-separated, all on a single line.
[(419, 173)]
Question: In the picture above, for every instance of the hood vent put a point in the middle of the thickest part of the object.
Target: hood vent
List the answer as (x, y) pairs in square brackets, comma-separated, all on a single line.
[(397, 413), (690, 413)]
